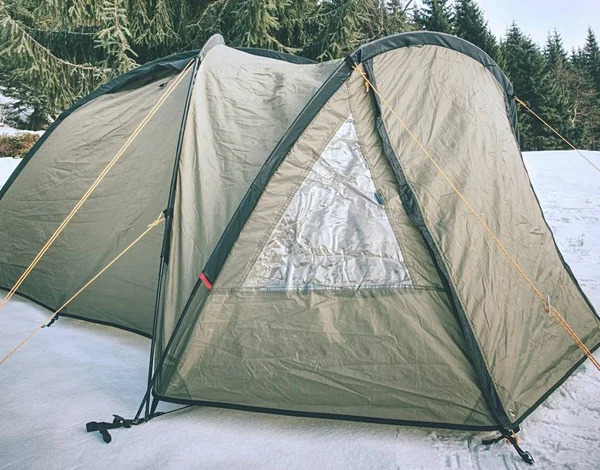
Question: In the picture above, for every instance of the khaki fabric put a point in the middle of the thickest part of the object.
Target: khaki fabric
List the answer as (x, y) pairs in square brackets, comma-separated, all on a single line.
[(379, 353), (457, 110), (130, 197), (241, 106), (335, 298)]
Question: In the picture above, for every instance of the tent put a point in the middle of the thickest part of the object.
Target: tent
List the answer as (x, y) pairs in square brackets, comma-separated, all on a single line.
[(349, 239)]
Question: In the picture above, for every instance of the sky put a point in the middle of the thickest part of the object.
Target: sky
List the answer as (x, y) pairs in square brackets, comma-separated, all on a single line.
[(537, 17)]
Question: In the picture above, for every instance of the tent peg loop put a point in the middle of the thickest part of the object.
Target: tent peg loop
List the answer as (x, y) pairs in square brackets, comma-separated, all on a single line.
[(120, 422), (51, 322), (512, 438), (117, 422)]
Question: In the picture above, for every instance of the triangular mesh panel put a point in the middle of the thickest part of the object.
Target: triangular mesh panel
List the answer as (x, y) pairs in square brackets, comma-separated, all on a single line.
[(335, 233)]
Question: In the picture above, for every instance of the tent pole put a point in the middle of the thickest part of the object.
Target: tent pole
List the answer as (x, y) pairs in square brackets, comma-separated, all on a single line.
[(154, 405), (164, 255), (163, 356)]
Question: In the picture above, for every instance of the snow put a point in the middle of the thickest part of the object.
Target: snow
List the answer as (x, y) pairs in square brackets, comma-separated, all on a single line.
[(22, 116), (7, 166), (77, 372), (7, 130)]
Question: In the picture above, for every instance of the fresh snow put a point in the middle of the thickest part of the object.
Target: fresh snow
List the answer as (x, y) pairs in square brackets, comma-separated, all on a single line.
[(76, 372), (7, 166), (7, 130)]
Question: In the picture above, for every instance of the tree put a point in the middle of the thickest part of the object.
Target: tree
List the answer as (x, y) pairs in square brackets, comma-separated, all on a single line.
[(554, 51), (526, 67), (394, 17), (53, 52), (584, 112), (590, 56), (348, 23), (469, 24), (435, 15)]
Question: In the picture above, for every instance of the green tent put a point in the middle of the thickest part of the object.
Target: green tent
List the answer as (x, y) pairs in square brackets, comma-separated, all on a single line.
[(314, 261)]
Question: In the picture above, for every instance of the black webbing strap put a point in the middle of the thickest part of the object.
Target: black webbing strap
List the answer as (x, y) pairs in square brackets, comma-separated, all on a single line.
[(51, 322), (511, 437), (118, 422)]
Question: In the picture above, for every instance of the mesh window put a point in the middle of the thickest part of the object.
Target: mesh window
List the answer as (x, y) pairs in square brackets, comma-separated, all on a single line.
[(335, 233)]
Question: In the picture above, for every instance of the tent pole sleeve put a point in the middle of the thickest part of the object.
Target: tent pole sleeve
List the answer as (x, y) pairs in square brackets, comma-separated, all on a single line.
[(155, 401), (157, 304), (171, 201), (413, 209), (163, 356), (164, 255)]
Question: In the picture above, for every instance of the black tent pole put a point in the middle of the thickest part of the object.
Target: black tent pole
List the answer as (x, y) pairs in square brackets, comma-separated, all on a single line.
[(164, 255), (120, 422), (161, 361)]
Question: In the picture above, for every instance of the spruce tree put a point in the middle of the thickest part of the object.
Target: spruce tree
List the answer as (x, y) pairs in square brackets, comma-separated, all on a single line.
[(591, 58), (585, 112), (554, 51), (435, 15), (55, 51), (346, 25), (526, 67), (470, 24), (395, 17)]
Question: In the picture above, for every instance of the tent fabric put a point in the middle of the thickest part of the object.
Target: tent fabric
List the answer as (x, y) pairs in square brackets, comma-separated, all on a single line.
[(334, 233), (122, 206), (533, 349), (232, 128), (296, 350), (340, 274), (68, 158)]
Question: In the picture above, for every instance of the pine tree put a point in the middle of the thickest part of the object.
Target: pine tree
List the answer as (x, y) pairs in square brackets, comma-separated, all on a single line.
[(584, 114), (347, 25), (56, 51), (591, 58), (435, 15), (256, 24), (527, 69), (394, 16), (559, 75), (298, 23), (469, 23), (554, 51)]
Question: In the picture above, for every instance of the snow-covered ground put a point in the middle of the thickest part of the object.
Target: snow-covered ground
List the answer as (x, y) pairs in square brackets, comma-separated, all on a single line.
[(77, 372), (7, 166), (7, 130)]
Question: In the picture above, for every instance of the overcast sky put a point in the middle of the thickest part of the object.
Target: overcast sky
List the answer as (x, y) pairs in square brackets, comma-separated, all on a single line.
[(537, 17)]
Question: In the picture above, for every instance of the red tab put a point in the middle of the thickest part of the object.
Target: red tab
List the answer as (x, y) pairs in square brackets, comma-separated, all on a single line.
[(205, 281)]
